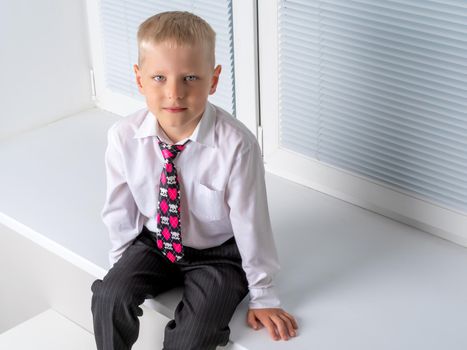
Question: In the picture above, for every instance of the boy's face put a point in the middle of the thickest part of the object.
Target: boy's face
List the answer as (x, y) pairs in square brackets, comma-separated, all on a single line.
[(176, 81)]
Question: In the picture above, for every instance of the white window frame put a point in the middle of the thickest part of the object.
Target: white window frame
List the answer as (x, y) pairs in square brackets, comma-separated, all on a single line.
[(246, 78), (246, 63), (368, 193)]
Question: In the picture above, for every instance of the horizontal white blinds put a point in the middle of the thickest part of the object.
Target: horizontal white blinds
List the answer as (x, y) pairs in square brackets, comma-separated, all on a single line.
[(379, 88), (120, 20)]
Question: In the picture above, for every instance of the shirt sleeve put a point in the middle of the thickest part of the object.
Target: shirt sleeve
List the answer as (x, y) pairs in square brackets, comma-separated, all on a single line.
[(120, 213), (249, 216)]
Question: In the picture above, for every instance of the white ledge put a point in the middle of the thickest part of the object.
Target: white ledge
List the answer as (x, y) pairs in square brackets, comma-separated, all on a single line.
[(353, 279)]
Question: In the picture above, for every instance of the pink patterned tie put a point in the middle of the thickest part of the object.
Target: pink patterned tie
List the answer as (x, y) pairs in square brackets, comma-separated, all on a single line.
[(169, 239)]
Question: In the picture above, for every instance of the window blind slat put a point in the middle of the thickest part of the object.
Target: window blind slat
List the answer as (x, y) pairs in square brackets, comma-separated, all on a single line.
[(392, 121), (392, 88), (419, 9), (402, 62), (385, 17)]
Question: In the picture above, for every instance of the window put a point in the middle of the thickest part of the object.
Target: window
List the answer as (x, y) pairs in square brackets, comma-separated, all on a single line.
[(366, 100)]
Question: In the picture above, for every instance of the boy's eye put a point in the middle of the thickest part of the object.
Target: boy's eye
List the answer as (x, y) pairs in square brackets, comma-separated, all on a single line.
[(191, 78), (158, 78)]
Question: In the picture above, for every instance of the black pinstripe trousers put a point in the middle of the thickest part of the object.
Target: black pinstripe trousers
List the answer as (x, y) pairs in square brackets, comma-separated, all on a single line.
[(214, 284)]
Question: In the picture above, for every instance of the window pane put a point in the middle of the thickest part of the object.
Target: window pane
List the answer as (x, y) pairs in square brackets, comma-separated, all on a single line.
[(378, 88)]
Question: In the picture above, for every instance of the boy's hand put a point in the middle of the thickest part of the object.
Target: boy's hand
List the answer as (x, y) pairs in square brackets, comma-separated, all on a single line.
[(279, 323)]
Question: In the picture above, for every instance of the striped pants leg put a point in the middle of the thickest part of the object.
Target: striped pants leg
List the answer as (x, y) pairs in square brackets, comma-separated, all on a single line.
[(214, 284)]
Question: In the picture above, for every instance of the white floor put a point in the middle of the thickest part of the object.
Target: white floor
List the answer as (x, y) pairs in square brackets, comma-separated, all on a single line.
[(353, 279), (47, 331)]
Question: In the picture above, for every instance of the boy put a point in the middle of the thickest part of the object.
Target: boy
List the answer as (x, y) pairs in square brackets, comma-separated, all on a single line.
[(186, 202)]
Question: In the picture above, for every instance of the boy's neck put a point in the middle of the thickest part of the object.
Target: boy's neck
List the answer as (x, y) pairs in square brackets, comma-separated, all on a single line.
[(176, 134)]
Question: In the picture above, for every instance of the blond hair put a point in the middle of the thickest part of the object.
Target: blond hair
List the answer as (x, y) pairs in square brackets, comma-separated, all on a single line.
[(177, 27)]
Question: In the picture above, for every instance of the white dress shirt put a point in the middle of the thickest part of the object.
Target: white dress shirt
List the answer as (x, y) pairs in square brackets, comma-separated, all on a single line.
[(222, 190)]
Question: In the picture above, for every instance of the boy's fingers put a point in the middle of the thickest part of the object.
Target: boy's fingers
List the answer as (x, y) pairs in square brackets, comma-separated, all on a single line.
[(271, 329), (251, 319), (288, 323), (294, 322), (281, 327)]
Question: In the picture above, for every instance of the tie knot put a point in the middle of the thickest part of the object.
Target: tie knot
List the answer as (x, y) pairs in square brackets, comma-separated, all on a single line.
[(169, 152)]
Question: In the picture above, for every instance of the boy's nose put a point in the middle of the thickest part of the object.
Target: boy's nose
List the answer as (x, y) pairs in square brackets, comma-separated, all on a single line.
[(175, 91)]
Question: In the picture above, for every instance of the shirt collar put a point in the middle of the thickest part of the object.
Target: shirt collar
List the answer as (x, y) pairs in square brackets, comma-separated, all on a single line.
[(203, 133)]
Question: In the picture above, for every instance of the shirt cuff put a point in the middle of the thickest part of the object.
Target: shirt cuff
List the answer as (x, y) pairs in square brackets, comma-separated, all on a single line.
[(261, 298)]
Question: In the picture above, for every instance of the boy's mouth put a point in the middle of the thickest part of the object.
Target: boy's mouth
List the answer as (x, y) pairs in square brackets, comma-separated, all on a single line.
[(174, 109)]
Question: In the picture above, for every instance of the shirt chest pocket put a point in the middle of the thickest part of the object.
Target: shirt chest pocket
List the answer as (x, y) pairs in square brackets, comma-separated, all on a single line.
[(208, 204)]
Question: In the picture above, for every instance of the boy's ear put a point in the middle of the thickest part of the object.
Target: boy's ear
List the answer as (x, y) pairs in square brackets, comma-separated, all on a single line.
[(215, 79), (138, 78)]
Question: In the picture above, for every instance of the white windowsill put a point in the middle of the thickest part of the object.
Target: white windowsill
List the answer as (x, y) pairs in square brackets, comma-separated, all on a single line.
[(353, 279)]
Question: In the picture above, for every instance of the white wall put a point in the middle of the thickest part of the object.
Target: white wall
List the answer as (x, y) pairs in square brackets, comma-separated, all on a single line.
[(44, 62)]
